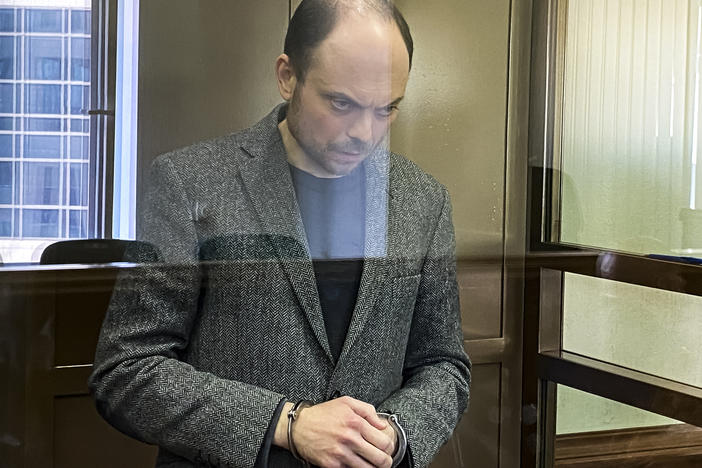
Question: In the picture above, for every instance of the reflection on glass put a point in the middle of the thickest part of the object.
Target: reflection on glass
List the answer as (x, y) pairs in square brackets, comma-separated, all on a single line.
[(7, 19), (5, 146), (80, 99), (646, 329), (80, 22), (7, 98), (40, 223), (43, 58), (5, 222), (43, 125), (41, 183), (5, 183), (79, 147), (44, 21), (43, 99), (80, 59), (7, 57), (601, 432), (42, 146), (78, 185), (77, 224)]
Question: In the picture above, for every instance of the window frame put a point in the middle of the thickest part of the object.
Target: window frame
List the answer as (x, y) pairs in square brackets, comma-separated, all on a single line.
[(102, 117)]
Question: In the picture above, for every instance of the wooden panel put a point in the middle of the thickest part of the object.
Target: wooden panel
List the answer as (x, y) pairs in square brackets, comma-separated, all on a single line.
[(475, 442), (672, 446), (479, 289), (79, 314), (83, 438)]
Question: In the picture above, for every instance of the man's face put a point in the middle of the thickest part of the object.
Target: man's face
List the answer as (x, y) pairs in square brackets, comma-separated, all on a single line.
[(349, 98)]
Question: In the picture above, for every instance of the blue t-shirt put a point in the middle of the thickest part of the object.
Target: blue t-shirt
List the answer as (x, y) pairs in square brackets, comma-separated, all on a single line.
[(333, 214)]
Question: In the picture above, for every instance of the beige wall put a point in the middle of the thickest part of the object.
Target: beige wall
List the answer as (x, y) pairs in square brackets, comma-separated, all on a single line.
[(205, 69), (453, 119)]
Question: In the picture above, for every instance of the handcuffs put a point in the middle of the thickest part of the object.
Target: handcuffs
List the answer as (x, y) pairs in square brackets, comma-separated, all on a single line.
[(391, 418), (401, 438)]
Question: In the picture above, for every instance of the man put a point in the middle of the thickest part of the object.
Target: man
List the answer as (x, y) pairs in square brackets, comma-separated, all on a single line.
[(304, 262)]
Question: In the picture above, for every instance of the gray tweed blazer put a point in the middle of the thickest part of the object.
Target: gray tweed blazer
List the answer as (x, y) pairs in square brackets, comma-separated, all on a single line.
[(196, 353)]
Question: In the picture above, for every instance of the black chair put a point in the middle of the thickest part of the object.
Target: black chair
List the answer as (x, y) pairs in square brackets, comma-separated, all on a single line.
[(99, 251)]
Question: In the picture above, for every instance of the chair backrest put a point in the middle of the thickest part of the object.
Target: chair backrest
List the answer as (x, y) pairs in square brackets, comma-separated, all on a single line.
[(98, 251)]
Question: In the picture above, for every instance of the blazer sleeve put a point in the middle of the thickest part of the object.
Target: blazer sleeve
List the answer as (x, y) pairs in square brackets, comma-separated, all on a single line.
[(140, 384), (436, 374)]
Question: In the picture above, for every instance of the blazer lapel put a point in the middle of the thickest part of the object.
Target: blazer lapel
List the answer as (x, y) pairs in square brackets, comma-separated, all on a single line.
[(376, 248), (266, 176)]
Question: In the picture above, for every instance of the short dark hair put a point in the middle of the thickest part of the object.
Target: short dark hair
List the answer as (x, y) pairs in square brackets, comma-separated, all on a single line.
[(314, 20)]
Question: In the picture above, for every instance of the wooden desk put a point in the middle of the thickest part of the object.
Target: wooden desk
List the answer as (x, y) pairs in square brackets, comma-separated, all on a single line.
[(51, 317)]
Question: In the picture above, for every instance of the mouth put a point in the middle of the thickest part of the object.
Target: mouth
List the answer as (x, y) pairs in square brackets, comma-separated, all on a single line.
[(350, 155)]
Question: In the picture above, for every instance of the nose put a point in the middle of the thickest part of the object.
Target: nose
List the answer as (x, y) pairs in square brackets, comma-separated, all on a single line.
[(361, 128)]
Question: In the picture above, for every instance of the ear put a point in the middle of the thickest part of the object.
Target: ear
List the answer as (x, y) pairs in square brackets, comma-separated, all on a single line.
[(286, 77)]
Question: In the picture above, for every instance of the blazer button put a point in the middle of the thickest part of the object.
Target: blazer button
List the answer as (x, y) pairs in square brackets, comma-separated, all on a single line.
[(335, 394)]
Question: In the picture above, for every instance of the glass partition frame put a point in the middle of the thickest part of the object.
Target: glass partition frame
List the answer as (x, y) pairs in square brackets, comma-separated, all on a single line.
[(545, 363)]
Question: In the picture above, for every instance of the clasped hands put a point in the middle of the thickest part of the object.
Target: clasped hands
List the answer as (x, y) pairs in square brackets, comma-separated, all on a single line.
[(340, 433)]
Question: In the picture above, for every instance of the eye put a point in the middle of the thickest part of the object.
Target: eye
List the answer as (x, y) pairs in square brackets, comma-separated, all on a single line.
[(340, 104), (387, 111)]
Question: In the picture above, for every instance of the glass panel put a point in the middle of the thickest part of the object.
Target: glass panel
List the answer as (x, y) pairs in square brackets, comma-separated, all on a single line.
[(5, 222), (43, 99), (40, 223), (7, 58), (80, 59), (80, 99), (78, 193), (595, 431), (43, 21), (80, 22), (80, 125), (7, 19), (7, 98), (646, 329), (77, 224), (43, 125), (43, 58), (5, 146), (5, 183), (41, 183), (629, 175), (42, 146), (80, 148), (6, 123)]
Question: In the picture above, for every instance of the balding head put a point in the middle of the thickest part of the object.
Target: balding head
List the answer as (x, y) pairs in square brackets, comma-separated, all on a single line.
[(314, 20)]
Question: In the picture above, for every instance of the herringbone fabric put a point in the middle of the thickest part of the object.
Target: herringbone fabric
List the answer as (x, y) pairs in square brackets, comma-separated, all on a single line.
[(196, 353)]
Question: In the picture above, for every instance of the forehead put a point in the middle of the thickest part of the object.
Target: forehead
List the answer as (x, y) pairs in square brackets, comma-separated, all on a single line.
[(363, 56)]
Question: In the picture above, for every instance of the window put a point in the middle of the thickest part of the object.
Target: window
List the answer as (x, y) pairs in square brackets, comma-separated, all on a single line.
[(45, 85), (617, 182)]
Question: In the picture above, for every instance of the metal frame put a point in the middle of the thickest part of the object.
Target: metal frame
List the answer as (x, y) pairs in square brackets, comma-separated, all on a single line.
[(545, 363), (102, 117)]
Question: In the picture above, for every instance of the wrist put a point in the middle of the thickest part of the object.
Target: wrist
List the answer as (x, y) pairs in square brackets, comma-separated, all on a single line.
[(281, 429), (401, 446)]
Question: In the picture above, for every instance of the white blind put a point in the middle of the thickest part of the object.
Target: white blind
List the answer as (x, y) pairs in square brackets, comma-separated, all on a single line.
[(629, 127)]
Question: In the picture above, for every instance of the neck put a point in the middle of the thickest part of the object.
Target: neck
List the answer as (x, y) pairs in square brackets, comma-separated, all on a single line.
[(296, 155)]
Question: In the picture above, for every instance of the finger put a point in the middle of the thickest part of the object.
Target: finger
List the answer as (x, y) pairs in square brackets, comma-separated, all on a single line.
[(353, 461), (369, 452), (378, 439), (367, 411)]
